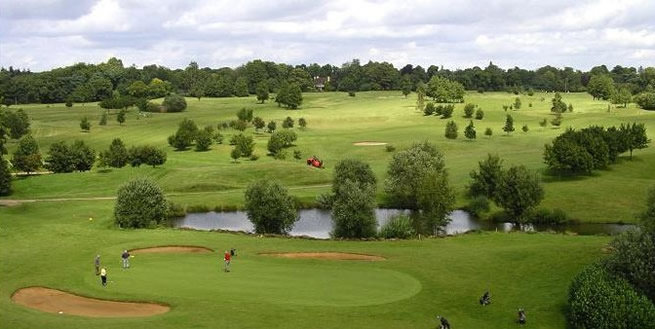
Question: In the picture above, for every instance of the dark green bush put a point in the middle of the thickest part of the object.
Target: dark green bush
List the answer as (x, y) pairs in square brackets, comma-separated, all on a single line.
[(478, 205), (398, 227), (174, 103), (546, 216), (270, 208), (140, 203), (600, 300)]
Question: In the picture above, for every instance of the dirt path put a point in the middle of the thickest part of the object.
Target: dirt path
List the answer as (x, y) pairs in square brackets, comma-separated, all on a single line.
[(16, 202), (369, 143), (325, 255), (170, 249), (60, 302)]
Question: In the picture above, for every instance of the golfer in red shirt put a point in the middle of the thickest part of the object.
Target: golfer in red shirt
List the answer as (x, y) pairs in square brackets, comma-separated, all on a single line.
[(226, 258)]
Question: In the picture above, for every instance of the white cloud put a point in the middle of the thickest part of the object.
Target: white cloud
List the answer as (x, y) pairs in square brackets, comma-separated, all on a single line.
[(526, 33)]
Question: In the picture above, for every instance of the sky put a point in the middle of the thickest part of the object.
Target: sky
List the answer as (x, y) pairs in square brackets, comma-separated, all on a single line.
[(44, 34)]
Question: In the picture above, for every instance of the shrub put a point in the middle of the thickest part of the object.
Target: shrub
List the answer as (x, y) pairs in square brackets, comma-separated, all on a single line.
[(146, 154), (518, 191), (390, 148), (140, 203), (468, 110), (600, 300), (488, 132), (85, 124), (116, 156), (103, 120), (185, 135), (297, 154), (203, 140), (451, 130), (351, 93), (633, 259), (245, 144), (447, 111), (398, 227), (545, 216), (646, 100), (5, 176), (525, 128), (438, 110), (281, 139), (174, 103), (429, 109), (479, 114), (27, 156), (254, 157), (271, 126), (487, 178), (270, 208), (287, 123), (353, 211), (258, 123), (325, 200), (478, 205), (245, 115)]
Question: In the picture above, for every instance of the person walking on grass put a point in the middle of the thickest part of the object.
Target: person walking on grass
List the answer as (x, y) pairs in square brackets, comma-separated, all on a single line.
[(103, 277), (126, 259), (444, 324), (226, 259), (97, 264)]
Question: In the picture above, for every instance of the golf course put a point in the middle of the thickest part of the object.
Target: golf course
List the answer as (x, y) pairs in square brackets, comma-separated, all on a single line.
[(52, 226)]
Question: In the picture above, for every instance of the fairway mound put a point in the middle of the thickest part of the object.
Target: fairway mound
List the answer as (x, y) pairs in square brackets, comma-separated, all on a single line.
[(369, 143), (60, 302), (170, 249), (325, 255)]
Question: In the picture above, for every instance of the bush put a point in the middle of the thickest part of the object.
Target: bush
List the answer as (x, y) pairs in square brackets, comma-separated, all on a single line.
[(634, 260), (245, 115), (140, 203), (479, 114), (5, 176), (447, 111), (468, 110), (545, 216), (398, 227), (174, 103), (203, 140), (270, 208), (353, 211), (146, 154), (103, 120), (116, 156), (429, 109), (478, 205), (297, 154), (351, 93), (287, 123), (245, 144), (325, 200), (85, 124), (302, 123), (600, 300), (390, 148), (451, 130), (646, 100), (281, 139), (185, 135)]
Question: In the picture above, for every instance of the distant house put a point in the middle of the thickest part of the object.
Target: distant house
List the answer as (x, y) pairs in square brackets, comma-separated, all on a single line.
[(320, 82)]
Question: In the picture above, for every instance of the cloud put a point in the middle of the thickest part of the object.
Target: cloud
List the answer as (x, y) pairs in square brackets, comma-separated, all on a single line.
[(42, 34)]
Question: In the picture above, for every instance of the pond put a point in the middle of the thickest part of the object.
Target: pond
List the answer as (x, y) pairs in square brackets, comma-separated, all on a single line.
[(317, 223)]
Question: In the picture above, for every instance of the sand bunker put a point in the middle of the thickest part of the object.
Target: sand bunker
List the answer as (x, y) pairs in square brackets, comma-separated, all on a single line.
[(60, 302), (170, 249), (325, 255), (369, 143)]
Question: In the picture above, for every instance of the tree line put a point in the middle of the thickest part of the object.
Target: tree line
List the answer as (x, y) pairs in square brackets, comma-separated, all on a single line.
[(84, 82)]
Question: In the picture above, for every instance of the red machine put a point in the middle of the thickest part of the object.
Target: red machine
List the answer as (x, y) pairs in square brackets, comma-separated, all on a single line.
[(314, 162)]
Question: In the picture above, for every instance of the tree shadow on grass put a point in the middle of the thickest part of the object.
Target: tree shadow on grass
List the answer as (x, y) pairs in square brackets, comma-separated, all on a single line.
[(551, 176), (104, 171)]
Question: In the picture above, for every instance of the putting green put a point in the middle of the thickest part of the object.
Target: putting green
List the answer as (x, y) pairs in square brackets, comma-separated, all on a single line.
[(299, 282)]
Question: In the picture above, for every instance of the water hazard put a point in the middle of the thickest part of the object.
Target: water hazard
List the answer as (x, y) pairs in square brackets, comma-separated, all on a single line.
[(317, 223)]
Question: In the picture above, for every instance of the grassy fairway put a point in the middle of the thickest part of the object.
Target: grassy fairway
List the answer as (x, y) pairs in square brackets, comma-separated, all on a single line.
[(335, 121), (54, 244)]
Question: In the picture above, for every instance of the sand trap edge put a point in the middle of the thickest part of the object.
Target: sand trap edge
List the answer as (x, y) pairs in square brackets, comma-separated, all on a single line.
[(62, 302), (363, 143), (324, 255), (171, 249)]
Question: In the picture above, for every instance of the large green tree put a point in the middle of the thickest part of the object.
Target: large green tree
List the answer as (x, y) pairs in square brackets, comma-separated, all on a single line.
[(353, 210), (518, 192), (270, 207), (27, 157), (140, 203)]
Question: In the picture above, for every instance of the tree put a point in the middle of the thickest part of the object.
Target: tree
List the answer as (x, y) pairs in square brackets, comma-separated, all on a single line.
[(353, 170), (235, 154), (17, 122), (600, 86), (517, 103), (543, 123), (116, 156), (271, 126), (140, 203), (635, 136), (146, 154), (185, 135), (443, 90), (488, 132), (558, 105), (646, 100), (487, 178), (557, 120), (302, 122), (353, 210), (570, 107), (262, 92), (469, 132), (525, 128), (519, 191), (159, 88), (203, 140), (479, 114), (5, 176), (292, 96), (174, 103), (258, 123), (468, 110), (245, 144), (85, 124), (121, 116), (407, 170), (198, 89), (509, 124), (420, 96), (241, 87), (287, 123), (280, 140), (621, 96), (103, 119), (245, 115), (83, 155), (138, 89), (435, 200), (451, 130), (60, 158), (270, 207), (406, 86), (27, 157), (447, 111)]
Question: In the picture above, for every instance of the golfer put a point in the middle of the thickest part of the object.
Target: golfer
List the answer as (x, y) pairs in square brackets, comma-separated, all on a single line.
[(97, 263), (103, 277), (126, 259), (226, 259)]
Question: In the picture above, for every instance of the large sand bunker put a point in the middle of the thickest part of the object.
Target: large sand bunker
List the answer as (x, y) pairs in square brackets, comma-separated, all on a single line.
[(325, 255), (57, 301), (369, 143), (170, 249)]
